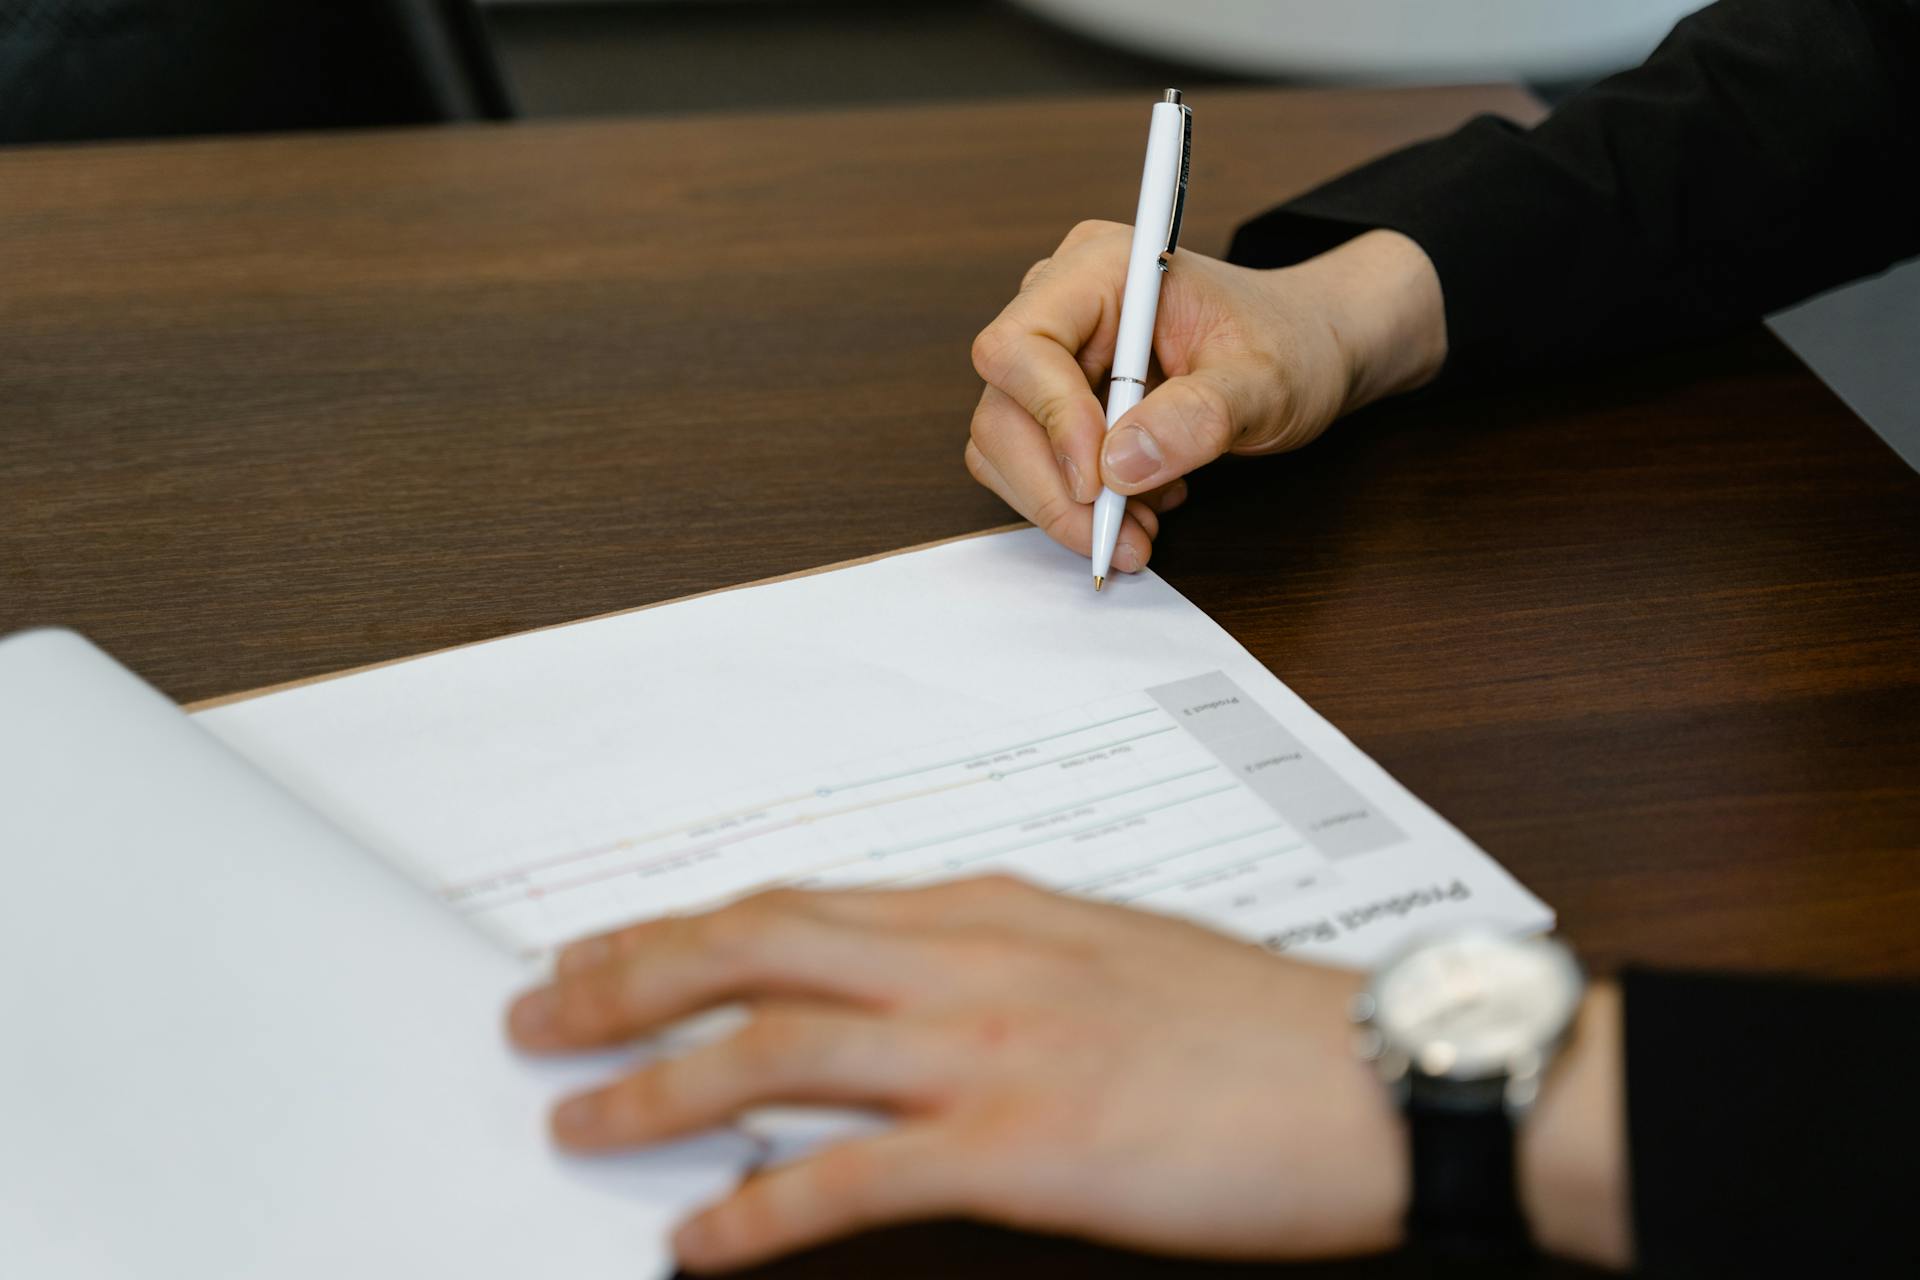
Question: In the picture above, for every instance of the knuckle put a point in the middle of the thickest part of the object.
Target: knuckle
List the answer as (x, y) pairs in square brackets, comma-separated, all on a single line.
[(592, 1006), (769, 903), (1002, 884), (735, 934), (656, 1091), (1054, 517), (1089, 229), (751, 1218), (994, 425), (770, 1042), (989, 350), (1034, 273), (848, 1173), (1052, 408), (1001, 958)]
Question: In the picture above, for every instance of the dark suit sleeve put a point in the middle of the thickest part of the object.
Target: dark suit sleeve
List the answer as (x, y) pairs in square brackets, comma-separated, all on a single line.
[(1766, 151), (1773, 1126)]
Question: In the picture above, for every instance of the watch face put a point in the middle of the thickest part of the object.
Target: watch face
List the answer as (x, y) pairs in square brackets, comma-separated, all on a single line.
[(1470, 1006)]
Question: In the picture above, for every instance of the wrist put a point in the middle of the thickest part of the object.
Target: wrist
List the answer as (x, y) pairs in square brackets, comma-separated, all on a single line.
[(1460, 1026), (1571, 1157), (1375, 1142), (1380, 297)]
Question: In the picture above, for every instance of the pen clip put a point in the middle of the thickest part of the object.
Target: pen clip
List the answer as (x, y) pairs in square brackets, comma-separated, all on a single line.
[(1180, 179)]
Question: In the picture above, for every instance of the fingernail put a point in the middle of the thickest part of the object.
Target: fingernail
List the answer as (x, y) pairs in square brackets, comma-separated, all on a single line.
[(1070, 474), (1125, 558), (1131, 455), (577, 1117), (532, 1015)]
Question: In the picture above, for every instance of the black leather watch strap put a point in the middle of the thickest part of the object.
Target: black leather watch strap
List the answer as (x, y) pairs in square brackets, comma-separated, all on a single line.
[(1465, 1198)]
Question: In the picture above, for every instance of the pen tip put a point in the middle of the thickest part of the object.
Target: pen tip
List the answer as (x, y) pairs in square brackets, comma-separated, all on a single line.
[(1098, 582)]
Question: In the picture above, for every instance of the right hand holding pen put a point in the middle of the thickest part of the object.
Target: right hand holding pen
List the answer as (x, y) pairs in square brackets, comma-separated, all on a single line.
[(1250, 362)]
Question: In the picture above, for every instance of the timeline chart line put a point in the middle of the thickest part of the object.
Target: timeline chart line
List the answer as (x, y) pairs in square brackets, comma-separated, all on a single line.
[(680, 855), (1087, 751), (876, 855), (630, 868), (1222, 869), (1121, 873), (481, 884), (1034, 817), (798, 820), (497, 879), (990, 752), (954, 864)]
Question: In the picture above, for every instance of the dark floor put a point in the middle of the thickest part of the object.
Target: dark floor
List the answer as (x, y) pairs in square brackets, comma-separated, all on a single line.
[(607, 59)]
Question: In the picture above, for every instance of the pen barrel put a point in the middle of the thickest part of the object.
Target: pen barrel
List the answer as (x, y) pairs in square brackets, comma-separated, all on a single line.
[(1122, 395), (1159, 188), (1160, 180), (1109, 509)]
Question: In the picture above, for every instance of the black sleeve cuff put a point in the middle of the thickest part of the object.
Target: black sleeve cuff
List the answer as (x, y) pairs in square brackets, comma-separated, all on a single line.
[(1772, 1125), (1446, 195), (1748, 163), (1531, 277)]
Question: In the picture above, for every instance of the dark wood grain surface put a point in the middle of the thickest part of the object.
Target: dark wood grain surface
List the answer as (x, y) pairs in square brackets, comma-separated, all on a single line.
[(269, 408)]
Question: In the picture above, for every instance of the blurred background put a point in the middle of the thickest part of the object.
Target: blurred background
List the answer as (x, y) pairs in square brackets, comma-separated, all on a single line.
[(95, 69), (567, 57)]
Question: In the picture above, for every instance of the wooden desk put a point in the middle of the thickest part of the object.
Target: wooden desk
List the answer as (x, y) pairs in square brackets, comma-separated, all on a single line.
[(274, 407)]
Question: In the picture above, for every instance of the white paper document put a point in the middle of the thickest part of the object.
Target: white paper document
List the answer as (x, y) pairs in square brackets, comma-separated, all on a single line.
[(233, 1045), (967, 708), (240, 1046)]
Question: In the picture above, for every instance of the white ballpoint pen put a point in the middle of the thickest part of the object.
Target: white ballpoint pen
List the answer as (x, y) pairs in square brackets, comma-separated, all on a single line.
[(1156, 229)]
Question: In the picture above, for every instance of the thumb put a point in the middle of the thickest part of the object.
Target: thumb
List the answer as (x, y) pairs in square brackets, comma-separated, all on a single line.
[(1183, 423)]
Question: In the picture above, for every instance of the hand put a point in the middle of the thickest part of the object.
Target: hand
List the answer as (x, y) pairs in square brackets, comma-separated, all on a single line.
[(1254, 362), (1053, 1064)]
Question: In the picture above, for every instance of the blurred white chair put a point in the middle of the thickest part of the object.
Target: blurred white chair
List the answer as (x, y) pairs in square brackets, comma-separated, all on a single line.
[(1381, 40)]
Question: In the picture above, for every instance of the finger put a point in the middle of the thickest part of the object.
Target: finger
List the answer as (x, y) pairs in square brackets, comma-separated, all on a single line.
[(604, 948), (1167, 497), (797, 1054), (1145, 516), (1051, 345), (1134, 547), (1074, 296), (1009, 456), (1096, 353), (997, 901), (1182, 424), (901, 1175), (1044, 377), (1094, 229), (617, 944), (585, 953), (1033, 480), (667, 969)]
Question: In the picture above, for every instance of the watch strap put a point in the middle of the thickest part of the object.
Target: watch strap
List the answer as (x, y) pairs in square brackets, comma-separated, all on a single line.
[(1465, 1195)]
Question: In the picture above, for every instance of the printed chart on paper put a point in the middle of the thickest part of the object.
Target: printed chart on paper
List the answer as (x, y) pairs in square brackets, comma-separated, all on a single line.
[(1187, 797)]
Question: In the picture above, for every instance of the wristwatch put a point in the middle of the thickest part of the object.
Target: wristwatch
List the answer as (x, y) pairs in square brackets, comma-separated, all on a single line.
[(1462, 1027)]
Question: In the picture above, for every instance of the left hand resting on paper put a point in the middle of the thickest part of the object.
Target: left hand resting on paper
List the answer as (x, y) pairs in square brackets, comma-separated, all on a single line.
[(1054, 1064)]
